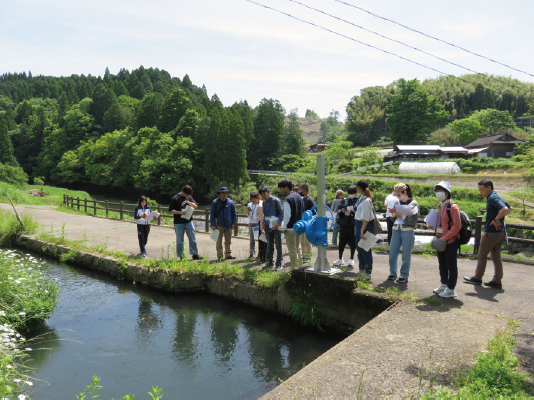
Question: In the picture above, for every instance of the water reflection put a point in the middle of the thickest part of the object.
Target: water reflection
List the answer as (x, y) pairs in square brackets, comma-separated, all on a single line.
[(196, 346)]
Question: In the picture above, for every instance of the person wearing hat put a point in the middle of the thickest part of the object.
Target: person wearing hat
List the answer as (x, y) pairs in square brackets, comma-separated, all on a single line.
[(363, 223), (447, 229), (403, 233), (340, 195), (223, 216)]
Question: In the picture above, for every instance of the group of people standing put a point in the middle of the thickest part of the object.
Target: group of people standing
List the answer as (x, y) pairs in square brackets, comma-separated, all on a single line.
[(354, 217)]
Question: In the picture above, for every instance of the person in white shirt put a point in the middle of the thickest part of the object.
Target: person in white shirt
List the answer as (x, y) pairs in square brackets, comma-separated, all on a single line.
[(390, 202), (363, 218), (253, 221)]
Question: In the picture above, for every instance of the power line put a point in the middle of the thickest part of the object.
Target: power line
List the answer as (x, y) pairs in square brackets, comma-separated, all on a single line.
[(432, 37), (407, 45), (365, 44)]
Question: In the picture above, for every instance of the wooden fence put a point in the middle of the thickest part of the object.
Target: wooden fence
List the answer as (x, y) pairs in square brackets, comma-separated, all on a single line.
[(91, 204), (204, 216)]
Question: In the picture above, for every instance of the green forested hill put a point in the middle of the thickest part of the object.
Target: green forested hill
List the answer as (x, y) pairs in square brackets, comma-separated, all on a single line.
[(367, 112), (140, 129)]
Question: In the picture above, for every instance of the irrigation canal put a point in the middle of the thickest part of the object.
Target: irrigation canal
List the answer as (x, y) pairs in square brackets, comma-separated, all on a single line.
[(192, 346)]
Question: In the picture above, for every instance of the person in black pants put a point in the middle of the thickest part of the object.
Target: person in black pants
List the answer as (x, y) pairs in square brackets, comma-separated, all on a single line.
[(346, 227), (143, 224)]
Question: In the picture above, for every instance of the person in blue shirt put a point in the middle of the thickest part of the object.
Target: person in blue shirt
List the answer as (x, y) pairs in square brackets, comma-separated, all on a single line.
[(272, 209), (223, 216), (492, 237)]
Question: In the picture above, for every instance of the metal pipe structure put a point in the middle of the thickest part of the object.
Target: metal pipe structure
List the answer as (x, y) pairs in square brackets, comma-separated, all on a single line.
[(321, 264)]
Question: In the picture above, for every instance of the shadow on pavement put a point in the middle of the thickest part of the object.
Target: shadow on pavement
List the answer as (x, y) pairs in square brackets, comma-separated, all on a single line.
[(485, 293)]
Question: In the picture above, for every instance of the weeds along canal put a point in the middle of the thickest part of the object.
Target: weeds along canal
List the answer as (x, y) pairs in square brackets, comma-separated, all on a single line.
[(192, 346)]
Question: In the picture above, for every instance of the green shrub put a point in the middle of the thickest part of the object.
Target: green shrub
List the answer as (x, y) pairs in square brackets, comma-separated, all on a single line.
[(13, 175), (38, 180), (10, 227), (305, 314)]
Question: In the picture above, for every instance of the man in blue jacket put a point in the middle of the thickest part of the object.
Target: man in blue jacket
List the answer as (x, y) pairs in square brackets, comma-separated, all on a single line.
[(223, 216), (272, 218)]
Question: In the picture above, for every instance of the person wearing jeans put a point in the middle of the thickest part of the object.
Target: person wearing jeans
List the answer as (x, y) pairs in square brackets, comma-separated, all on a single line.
[(272, 209), (403, 233), (363, 218), (184, 226)]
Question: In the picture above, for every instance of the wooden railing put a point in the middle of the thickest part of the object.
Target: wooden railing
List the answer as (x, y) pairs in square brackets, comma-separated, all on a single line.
[(204, 216), (91, 204)]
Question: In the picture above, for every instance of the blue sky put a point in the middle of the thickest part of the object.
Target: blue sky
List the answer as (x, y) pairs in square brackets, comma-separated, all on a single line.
[(244, 52)]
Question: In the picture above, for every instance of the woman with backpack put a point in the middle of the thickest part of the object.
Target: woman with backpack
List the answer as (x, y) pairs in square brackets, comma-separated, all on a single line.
[(448, 228), (345, 220), (403, 233)]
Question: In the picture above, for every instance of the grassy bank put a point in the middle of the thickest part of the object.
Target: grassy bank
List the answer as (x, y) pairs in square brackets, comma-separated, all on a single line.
[(20, 195), (494, 375), (27, 298), (227, 270)]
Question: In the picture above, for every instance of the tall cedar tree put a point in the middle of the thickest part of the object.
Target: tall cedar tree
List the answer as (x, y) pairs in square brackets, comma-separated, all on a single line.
[(294, 143), (413, 114), (268, 134), (6, 147), (176, 104)]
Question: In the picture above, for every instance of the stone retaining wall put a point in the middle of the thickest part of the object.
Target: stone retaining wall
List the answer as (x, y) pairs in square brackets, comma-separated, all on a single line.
[(342, 307)]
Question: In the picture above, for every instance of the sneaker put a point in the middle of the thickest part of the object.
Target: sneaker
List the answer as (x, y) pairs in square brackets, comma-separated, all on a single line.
[(143, 254), (230, 258), (402, 280), (351, 263), (493, 284), (448, 293), (196, 257), (267, 266), (440, 289), (339, 261), (278, 267), (392, 277), (472, 279)]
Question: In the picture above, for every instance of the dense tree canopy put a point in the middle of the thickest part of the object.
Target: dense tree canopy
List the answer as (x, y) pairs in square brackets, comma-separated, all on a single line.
[(413, 114), (137, 129)]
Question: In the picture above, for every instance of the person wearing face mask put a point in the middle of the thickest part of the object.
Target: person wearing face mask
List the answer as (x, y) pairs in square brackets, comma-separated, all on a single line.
[(447, 229), (403, 233), (345, 220), (363, 223)]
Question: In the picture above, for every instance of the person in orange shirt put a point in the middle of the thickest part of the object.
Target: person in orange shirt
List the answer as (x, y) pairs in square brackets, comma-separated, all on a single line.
[(447, 229)]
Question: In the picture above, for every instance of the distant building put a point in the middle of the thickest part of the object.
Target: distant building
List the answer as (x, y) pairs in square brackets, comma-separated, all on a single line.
[(495, 146), (424, 152), (317, 148)]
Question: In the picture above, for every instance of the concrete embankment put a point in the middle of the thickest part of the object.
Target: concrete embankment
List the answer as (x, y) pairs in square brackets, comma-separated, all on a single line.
[(341, 307)]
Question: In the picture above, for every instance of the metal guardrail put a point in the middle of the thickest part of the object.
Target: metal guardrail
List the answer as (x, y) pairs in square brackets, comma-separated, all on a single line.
[(204, 216), (91, 204), (265, 172)]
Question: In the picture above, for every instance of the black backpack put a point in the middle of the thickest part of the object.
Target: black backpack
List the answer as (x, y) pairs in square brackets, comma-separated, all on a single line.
[(466, 230)]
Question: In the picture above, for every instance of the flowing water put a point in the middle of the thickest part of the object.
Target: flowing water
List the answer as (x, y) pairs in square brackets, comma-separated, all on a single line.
[(193, 346)]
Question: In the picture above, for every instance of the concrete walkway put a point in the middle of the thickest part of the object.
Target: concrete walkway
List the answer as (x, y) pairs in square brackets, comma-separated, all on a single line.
[(393, 350)]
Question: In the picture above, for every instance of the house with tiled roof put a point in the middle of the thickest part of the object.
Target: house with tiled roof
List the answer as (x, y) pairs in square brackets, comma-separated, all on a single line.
[(495, 146)]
